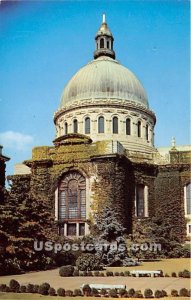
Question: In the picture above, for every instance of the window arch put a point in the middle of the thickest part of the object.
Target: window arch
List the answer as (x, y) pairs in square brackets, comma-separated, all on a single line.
[(66, 128), (75, 126), (101, 124), (147, 132), (87, 125), (128, 126), (139, 129), (102, 43), (115, 125)]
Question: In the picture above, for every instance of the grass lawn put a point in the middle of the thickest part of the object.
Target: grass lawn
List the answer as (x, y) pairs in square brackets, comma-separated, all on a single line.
[(10, 296), (166, 265)]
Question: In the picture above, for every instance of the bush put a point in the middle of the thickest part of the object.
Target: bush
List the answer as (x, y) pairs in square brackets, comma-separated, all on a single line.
[(86, 290), (7, 289), (77, 292), (76, 273), (113, 293), (184, 292), (44, 288), (3, 287), (121, 274), (30, 288), (148, 293), (186, 274), (102, 274), (180, 274), (23, 289), (14, 286), (61, 292), (69, 293), (127, 273), (85, 273), (158, 294), (52, 291), (109, 273), (89, 273), (64, 259), (35, 288), (173, 274), (166, 275), (131, 292), (122, 292), (116, 274), (94, 292), (103, 292), (164, 293), (174, 293), (88, 262), (66, 271), (138, 294), (96, 273)]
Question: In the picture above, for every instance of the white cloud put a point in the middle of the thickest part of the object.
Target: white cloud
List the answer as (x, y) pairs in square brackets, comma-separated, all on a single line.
[(16, 140)]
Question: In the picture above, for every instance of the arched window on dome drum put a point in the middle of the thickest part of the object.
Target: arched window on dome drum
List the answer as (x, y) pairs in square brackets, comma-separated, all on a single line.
[(115, 125), (101, 124), (75, 126), (107, 44), (72, 202), (87, 125), (66, 128), (102, 43), (128, 126), (139, 129), (147, 132)]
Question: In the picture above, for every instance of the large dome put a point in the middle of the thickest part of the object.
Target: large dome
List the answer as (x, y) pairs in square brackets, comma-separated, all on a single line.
[(104, 78)]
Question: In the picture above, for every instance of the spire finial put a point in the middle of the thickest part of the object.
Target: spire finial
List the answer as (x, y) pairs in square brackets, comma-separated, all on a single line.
[(173, 142), (103, 19)]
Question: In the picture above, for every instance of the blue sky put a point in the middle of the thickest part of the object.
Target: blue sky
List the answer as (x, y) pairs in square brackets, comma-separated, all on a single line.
[(44, 43)]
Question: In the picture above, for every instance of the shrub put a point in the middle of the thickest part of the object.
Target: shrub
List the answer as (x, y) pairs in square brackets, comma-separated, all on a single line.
[(180, 274), (122, 292), (86, 290), (88, 262), (89, 273), (148, 293), (23, 289), (96, 273), (109, 273), (94, 292), (3, 287), (76, 273), (52, 291), (35, 288), (174, 293), (127, 273), (116, 274), (173, 274), (7, 289), (102, 274), (44, 288), (121, 274), (77, 292), (164, 293), (69, 293), (103, 292), (14, 286), (113, 293), (166, 275), (66, 271), (186, 274), (138, 294), (184, 292), (85, 273), (30, 288), (61, 292), (64, 258), (131, 292), (158, 294)]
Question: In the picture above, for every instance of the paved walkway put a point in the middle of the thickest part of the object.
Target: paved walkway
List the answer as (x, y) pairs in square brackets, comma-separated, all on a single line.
[(53, 278)]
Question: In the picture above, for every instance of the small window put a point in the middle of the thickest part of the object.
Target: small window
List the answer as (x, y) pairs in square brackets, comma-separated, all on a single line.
[(188, 199), (66, 128), (107, 44), (189, 228), (147, 132), (140, 205), (102, 43), (101, 124), (87, 125), (139, 129), (128, 127), (81, 229), (71, 229), (115, 125), (75, 123)]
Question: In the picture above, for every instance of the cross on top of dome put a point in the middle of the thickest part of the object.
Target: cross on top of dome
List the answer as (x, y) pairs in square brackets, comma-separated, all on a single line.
[(104, 41)]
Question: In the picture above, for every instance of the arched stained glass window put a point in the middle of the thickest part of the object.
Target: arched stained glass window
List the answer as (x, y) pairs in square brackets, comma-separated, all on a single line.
[(101, 124), (87, 125), (115, 125), (102, 43), (128, 126), (75, 126)]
